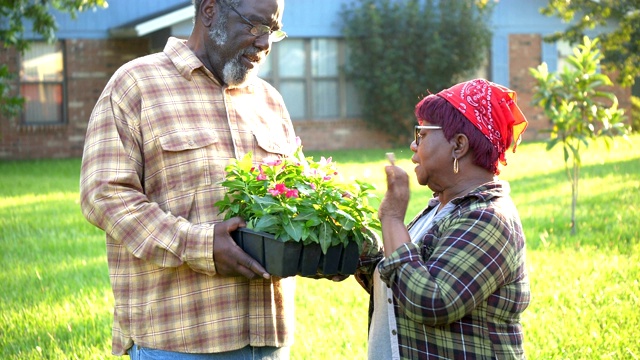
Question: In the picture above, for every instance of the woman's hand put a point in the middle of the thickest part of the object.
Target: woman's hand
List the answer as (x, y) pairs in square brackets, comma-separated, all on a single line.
[(396, 199), (393, 209)]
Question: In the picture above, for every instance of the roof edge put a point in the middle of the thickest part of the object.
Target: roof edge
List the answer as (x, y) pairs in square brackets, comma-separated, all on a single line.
[(148, 26)]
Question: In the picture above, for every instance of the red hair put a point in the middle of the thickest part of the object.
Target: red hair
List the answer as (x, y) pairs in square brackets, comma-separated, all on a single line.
[(437, 111)]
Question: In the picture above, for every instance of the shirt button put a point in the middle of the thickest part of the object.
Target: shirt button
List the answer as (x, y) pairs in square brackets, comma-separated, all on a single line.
[(389, 300), (190, 142), (394, 332)]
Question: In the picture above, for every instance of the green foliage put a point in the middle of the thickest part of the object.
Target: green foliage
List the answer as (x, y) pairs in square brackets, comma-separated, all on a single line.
[(14, 15), (298, 199), (401, 50), (579, 110), (621, 47), (9, 105)]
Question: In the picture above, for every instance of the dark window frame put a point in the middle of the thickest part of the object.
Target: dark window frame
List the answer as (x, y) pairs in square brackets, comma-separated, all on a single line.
[(310, 80), (63, 107)]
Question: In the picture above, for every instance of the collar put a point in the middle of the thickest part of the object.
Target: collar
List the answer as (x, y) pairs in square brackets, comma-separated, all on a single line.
[(484, 193), (185, 61)]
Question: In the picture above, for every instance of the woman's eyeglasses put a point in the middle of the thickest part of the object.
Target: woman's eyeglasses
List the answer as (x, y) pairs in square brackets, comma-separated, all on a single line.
[(259, 30), (419, 128)]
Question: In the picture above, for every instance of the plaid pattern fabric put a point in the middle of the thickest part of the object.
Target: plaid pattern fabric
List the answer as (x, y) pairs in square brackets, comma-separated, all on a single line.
[(158, 140), (460, 293)]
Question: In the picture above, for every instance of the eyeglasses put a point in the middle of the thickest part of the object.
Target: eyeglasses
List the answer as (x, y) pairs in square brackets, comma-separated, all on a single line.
[(419, 128), (259, 30)]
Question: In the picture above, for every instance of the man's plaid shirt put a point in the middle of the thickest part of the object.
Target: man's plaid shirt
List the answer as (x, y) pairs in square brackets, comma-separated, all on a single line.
[(158, 141)]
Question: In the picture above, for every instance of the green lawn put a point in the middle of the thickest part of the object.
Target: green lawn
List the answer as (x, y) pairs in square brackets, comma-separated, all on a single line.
[(57, 301)]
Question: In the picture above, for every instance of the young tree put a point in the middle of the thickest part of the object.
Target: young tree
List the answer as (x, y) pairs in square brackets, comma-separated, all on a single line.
[(620, 47), (14, 15), (402, 49), (578, 108)]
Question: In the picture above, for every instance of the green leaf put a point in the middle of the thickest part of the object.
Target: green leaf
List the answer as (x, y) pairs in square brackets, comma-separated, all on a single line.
[(266, 221), (295, 229), (345, 220), (324, 236)]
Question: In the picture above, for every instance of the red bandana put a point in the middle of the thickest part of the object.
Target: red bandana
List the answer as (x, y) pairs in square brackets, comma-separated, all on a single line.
[(492, 109)]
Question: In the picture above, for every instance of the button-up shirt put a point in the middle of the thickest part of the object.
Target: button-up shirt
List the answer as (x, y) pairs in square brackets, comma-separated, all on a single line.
[(460, 291), (157, 143)]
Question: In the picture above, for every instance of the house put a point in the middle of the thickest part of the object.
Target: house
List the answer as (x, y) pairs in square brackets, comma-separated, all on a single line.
[(62, 81)]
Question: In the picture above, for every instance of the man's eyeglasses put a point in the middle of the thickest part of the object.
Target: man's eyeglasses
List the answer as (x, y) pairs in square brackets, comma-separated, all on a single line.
[(419, 128), (259, 30)]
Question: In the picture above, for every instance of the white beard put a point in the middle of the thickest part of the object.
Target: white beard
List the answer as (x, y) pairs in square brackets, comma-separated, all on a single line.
[(235, 75)]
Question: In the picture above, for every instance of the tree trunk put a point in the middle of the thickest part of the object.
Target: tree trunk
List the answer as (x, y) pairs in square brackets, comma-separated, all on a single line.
[(574, 195)]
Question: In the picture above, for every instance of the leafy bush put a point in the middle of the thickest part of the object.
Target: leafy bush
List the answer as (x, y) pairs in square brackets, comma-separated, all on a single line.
[(400, 50)]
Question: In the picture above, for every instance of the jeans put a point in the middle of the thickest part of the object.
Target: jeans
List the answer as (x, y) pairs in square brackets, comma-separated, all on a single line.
[(246, 353)]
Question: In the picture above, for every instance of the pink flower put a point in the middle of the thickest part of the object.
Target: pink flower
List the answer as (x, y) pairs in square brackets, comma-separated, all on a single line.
[(274, 192), (324, 161), (262, 175), (326, 178), (279, 189), (292, 193), (272, 162)]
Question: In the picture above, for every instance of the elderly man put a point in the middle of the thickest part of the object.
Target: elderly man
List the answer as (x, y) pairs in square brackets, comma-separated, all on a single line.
[(157, 143)]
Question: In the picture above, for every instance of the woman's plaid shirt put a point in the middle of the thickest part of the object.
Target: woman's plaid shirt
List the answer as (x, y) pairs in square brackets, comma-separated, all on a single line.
[(460, 292)]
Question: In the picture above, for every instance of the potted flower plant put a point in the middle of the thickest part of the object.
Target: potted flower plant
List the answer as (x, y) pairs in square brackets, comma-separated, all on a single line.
[(298, 204)]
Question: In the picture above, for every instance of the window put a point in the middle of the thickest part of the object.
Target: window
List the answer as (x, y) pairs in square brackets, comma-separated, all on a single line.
[(42, 84), (565, 49), (307, 74)]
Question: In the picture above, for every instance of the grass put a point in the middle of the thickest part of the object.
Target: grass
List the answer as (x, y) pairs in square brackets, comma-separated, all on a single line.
[(57, 303)]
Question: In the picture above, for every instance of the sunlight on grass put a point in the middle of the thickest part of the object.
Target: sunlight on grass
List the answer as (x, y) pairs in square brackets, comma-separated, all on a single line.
[(331, 318), (35, 200), (594, 294), (57, 302)]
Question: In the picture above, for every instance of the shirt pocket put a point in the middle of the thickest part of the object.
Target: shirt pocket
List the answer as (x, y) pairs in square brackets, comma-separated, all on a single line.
[(270, 142), (186, 163)]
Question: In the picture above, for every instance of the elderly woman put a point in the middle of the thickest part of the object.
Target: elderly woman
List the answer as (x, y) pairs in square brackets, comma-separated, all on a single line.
[(453, 283)]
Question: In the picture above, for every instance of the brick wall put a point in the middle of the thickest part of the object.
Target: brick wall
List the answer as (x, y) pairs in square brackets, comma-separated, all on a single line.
[(339, 134), (89, 65), (525, 51)]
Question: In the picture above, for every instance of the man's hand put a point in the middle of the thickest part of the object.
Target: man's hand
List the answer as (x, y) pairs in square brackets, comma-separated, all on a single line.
[(229, 258)]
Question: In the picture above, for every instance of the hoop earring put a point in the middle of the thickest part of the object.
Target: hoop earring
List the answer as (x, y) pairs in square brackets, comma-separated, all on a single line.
[(455, 166)]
